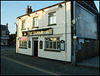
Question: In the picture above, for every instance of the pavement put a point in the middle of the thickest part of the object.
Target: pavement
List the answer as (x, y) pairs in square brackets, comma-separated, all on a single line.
[(92, 62), (7, 48)]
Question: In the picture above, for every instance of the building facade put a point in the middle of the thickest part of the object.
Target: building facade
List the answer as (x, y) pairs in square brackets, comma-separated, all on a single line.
[(54, 32), (4, 34)]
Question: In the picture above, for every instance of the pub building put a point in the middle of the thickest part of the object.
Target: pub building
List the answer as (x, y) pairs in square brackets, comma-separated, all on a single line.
[(50, 32)]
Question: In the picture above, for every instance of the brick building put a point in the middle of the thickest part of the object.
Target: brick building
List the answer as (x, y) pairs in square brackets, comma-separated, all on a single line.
[(4, 34)]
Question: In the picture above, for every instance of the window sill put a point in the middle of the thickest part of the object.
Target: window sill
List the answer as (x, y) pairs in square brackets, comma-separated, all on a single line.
[(35, 27), (23, 29), (51, 24), (23, 47), (52, 50)]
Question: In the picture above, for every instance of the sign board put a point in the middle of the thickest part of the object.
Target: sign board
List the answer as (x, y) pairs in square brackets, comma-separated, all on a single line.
[(62, 45), (39, 32), (86, 23), (23, 38)]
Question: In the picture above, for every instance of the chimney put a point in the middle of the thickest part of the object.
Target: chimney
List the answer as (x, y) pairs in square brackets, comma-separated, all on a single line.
[(7, 25), (28, 10)]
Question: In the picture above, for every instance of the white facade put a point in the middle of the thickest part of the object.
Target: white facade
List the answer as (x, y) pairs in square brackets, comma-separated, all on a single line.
[(58, 31), (42, 32)]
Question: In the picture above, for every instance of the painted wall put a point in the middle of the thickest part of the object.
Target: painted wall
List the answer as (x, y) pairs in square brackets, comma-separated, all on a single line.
[(58, 31)]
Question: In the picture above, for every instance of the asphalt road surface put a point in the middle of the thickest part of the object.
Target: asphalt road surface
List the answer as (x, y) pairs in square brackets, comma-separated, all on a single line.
[(16, 64), (11, 67)]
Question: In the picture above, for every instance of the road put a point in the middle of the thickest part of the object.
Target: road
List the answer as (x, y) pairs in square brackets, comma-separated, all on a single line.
[(9, 67), (16, 64), (13, 67)]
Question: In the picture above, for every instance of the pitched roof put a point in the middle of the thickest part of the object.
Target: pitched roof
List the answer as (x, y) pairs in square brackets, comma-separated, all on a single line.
[(91, 3)]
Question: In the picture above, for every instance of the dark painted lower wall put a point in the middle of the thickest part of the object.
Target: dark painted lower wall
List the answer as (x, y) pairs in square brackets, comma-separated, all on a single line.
[(88, 50)]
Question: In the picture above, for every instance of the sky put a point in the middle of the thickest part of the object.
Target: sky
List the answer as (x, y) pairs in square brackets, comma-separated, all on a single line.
[(10, 10)]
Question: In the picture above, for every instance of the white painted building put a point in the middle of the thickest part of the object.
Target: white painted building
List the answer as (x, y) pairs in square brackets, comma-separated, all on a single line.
[(48, 32)]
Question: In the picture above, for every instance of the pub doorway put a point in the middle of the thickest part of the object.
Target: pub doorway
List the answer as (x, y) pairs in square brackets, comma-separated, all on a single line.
[(35, 47)]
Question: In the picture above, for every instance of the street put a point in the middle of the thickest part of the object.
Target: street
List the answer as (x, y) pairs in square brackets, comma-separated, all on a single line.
[(17, 64), (9, 67)]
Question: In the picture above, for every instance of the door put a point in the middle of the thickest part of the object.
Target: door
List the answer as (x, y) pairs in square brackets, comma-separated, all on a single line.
[(36, 48)]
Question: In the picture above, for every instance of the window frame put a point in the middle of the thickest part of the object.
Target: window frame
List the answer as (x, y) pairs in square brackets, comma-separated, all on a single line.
[(23, 44), (35, 22), (51, 15), (57, 48), (23, 24)]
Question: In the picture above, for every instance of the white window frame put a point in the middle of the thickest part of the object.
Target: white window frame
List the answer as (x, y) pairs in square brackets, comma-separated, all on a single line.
[(52, 41), (23, 24), (52, 18), (23, 44), (35, 21)]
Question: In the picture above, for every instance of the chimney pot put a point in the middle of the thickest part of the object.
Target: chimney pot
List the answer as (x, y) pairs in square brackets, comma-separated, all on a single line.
[(7, 25), (30, 7), (28, 10)]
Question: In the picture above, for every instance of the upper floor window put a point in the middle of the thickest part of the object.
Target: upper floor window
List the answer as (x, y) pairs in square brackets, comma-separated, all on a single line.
[(3, 33), (52, 18), (23, 24), (35, 21)]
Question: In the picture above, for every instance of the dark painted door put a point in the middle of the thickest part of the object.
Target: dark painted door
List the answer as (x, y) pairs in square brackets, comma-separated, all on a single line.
[(35, 48)]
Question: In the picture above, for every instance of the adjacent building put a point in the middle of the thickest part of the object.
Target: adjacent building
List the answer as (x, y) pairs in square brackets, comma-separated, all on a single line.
[(4, 34), (57, 32)]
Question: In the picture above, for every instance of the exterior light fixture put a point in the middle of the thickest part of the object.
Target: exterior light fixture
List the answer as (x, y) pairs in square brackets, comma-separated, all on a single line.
[(19, 18), (73, 21), (28, 15), (42, 11), (36, 13), (60, 6)]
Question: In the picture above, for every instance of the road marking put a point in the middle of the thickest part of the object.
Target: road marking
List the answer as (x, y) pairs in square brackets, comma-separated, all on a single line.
[(51, 73)]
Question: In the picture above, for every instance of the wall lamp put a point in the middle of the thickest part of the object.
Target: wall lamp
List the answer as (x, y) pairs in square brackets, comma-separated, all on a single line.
[(42, 10), (28, 15), (60, 5), (19, 18)]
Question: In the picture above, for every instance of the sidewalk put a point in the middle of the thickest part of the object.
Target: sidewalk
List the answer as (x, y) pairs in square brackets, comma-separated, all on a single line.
[(58, 67), (92, 62)]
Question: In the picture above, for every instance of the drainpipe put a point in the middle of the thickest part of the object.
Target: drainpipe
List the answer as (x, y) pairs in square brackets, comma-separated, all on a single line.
[(74, 35), (65, 35)]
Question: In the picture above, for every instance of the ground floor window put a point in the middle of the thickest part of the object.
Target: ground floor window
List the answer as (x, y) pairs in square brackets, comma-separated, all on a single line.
[(52, 43), (22, 44)]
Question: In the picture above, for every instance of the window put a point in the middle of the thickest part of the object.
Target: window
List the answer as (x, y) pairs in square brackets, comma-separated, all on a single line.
[(23, 24), (41, 44), (3, 33), (35, 21), (22, 44), (52, 18), (52, 43)]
